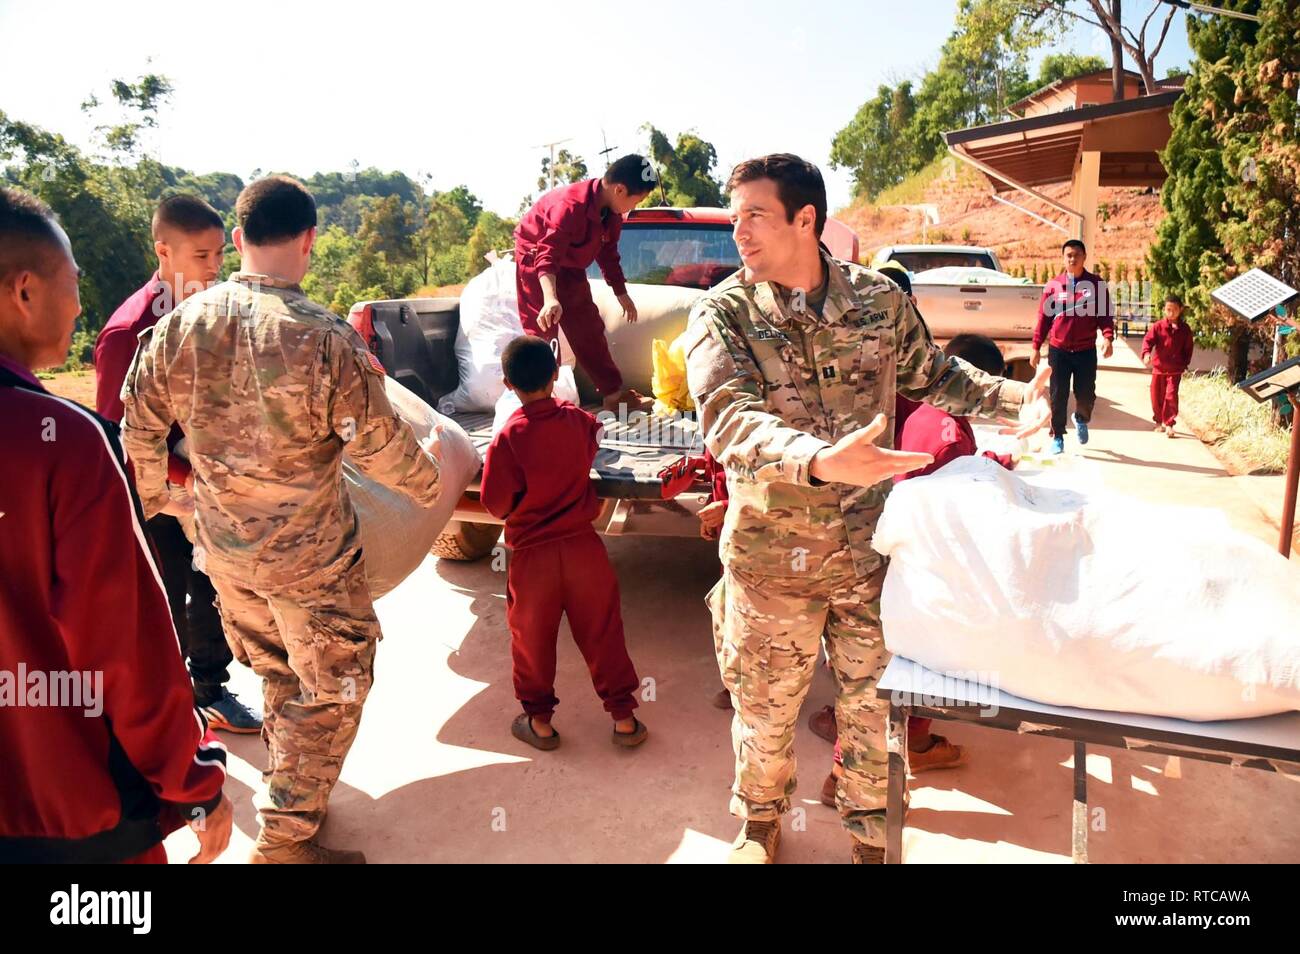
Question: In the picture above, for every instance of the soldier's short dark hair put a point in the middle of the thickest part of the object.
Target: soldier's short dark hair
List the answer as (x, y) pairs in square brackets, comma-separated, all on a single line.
[(185, 213), (528, 363), (798, 183), (29, 235), (1074, 243), (898, 275), (634, 173), (273, 209), (979, 351)]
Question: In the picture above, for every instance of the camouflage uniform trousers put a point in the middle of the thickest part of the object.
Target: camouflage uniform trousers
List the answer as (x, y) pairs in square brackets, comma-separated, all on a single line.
[(767, 631), (313, 644)]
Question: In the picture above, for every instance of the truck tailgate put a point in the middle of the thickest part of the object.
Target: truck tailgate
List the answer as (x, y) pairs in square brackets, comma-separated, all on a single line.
[(632, 450)]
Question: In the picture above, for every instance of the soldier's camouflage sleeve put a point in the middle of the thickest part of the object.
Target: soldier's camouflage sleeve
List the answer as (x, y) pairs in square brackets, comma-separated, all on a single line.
[(378, 442), (925, 373), (146, 421), (727, 387)]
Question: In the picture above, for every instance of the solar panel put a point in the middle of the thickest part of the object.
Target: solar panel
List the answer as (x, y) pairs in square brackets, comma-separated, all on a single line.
[(1254, 294)]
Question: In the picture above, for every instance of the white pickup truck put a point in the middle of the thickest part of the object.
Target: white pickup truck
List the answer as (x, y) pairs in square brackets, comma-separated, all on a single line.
[(962, 288)]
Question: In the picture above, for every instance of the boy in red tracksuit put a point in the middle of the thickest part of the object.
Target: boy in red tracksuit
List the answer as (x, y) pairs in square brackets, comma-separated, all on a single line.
[(536, 477), (1167, 351), (565, 231)]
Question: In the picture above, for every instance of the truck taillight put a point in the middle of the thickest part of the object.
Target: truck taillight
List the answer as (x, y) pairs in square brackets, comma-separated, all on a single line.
[(361, 317)]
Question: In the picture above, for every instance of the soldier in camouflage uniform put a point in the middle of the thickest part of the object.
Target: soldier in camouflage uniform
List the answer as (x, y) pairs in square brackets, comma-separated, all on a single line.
[(795, 391), (270, 390)]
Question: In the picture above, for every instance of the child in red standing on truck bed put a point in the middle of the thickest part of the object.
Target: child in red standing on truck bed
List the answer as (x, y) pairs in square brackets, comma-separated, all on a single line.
[(1167, 351), (537, 478)]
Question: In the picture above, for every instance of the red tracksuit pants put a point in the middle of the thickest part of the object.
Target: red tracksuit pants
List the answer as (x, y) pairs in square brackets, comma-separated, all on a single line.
[(1164, 397), (570, 577), (580, 319)]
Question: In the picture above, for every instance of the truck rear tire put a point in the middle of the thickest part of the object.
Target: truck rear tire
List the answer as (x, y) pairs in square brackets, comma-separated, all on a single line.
[(466, 542)]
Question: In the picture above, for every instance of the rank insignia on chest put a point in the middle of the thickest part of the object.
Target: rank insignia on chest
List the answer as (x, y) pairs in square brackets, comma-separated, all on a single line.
[(829, 372)]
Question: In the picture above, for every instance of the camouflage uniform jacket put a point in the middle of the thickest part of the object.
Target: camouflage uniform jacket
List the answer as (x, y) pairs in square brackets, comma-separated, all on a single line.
[(269, 388), (765, 409)]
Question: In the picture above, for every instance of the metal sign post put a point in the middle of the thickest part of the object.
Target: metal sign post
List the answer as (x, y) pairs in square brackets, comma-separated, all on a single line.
[(1252, 296)]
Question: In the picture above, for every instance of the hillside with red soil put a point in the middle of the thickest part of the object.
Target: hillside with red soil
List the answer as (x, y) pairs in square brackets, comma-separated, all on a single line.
[(968, 215)]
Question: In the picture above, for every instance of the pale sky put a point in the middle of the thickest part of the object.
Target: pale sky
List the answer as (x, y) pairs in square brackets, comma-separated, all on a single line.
[(470, 91)]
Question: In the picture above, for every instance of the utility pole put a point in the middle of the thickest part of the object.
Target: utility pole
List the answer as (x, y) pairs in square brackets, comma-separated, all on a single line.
[(550, 168), (608, 148), (1117, 56)]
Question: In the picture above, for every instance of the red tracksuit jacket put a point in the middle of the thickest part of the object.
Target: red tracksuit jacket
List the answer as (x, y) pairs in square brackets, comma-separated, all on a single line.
[(537, 473), (80, 592), (1072, 311), (564, 230), (1170, 344)]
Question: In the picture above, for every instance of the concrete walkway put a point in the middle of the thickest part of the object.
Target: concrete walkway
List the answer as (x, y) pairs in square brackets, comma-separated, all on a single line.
[(436, 776)]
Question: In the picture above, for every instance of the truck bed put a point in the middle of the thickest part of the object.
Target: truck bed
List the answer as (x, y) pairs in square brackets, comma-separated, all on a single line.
[(631, 453)]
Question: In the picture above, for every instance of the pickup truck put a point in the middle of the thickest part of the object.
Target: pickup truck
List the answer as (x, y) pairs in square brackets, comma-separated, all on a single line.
[(670, 256), (962, 288)]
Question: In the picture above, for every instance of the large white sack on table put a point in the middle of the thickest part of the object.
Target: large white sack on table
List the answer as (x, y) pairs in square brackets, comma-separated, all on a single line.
[(396, 532), (489, 320), (1087, 598)]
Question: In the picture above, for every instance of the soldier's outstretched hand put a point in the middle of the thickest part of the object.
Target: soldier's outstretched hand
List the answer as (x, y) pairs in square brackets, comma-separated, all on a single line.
[(1035, 411), (855, 458)]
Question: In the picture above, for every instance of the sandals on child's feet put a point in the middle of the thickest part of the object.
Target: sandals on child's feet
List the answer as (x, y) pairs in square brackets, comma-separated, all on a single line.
[(522, 729), (635, 737)]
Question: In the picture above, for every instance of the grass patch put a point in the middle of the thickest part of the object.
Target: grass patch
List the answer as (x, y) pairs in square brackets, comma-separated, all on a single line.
[(1239, 430), (912, 190)]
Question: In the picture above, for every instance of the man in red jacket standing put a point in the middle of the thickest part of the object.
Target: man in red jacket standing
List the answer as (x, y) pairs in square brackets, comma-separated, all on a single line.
[(104, 751), (556, 240), (189, 239), (1075, 305), (1167, 351)]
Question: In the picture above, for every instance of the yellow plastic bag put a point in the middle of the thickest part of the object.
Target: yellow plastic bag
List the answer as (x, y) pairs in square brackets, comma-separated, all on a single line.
[(668, 380)]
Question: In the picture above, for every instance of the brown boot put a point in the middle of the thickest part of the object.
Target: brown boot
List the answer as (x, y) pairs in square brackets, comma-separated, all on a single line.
[(941, 754), (822, 723), (757, 843), (303, 853), (828, 791), (864, 854)]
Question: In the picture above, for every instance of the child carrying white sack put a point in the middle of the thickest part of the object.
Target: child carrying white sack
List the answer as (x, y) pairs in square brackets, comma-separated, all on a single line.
[(1071, 599)]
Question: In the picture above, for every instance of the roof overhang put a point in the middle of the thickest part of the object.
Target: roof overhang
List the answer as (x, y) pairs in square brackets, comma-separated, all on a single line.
[(1042, 150)]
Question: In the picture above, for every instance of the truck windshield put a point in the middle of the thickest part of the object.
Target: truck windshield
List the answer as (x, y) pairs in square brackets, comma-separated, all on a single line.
[(923, 261), (687, 254)]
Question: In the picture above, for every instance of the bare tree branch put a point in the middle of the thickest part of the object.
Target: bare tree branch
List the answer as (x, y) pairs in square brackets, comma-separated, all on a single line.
[(1164, 31)]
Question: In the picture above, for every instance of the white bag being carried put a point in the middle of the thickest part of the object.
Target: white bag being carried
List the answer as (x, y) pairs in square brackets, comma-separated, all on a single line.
[(1087, 598), (489, 320), (396, 532)]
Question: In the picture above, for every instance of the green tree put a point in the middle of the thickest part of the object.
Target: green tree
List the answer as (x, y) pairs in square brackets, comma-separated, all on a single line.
[(878, 145), (491, 232), (685, 170), (568, 168), (1200, 243)]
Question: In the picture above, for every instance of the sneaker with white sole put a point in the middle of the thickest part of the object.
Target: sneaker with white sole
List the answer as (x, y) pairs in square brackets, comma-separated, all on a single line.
[(1058, 445), (1081, 428)]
